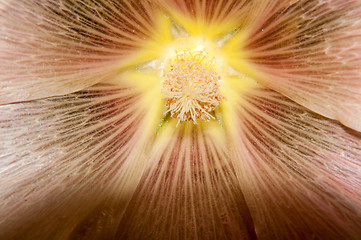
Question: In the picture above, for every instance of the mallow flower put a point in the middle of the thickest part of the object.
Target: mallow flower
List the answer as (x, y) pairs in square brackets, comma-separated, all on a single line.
[(180, 119)]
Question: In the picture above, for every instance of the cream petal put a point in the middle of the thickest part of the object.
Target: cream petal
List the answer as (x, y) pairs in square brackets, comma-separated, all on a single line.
[(309, 51), (50, 47), (70, 164), (300, 172), (189, 190)]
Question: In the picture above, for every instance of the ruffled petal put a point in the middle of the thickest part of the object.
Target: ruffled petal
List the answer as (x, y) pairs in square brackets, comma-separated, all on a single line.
[(70, 164), (50, 47), (189, 190), (300, 172), (309, 51)]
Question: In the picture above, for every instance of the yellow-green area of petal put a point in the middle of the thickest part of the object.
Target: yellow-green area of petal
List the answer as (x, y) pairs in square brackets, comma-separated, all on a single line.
[(176, 33), (151, 100), (237, 56), (235, 88), (170, 130)]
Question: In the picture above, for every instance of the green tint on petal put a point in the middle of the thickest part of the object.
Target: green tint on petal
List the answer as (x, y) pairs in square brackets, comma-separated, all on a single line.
[(299, 172), (70, 164)]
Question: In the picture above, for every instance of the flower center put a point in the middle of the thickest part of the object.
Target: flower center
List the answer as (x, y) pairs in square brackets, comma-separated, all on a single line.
[(191, 86)]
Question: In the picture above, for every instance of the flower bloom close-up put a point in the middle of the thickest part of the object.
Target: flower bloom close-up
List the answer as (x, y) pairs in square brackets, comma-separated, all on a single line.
[(180, 119)]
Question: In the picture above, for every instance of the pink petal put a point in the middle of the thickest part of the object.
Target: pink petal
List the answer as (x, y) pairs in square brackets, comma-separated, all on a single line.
[(69, 162), (310, 51), (50, 47), (300, 172), (208, 10), (189, 191)]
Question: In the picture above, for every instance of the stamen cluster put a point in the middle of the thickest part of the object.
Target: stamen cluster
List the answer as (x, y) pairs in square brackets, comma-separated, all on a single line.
[(191, 86)]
